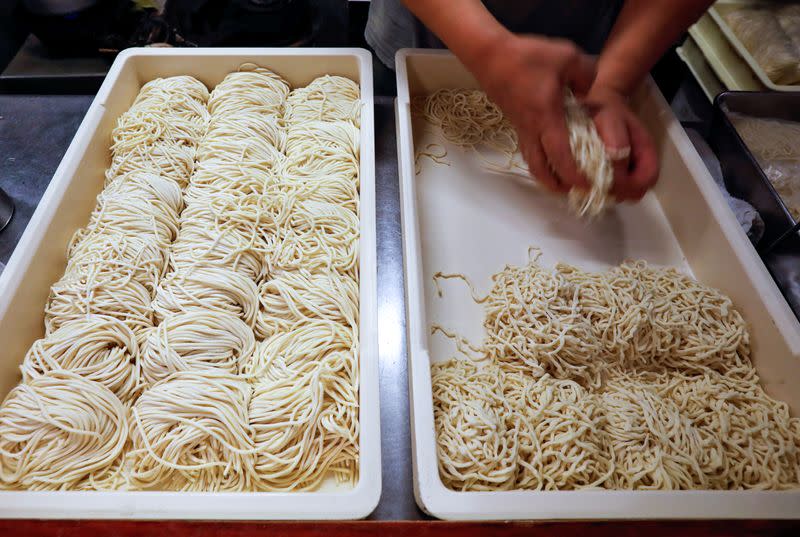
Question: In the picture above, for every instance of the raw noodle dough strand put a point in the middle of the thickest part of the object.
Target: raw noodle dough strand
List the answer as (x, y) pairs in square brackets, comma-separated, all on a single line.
[(215, 247), (327, 98), (656, 447), (255, 89), (476, 429), (325, 137), (176, 85), (147, 127), (73, 298), (297, 296), (309, 164), (318, 236), (656, 389), (207, 289), (244, 126), (159, 190), (760, 440), (301, 349), (299, 433), (531, 327), (116, 256), (339, 190), (468, 119), (98, 348), (561, 438), (199, 195), (57, 430), (220, 148), (190, 432), (593, 161), (168, 159), (196, 341), (134, 217), (321, 161), (174, 104)]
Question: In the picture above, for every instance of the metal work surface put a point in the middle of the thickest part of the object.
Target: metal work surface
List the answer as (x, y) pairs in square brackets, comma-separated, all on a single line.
[(35, 131)]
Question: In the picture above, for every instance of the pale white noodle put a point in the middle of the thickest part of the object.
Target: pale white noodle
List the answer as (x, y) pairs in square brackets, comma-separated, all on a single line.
[(318, 236), (208, 289), (468, 119), (73, 298), (98, 348), (631, 378), (304, 410), (327, 98), (297, 296), (190, 432), (58, 430), (116, 257), (196, 341)]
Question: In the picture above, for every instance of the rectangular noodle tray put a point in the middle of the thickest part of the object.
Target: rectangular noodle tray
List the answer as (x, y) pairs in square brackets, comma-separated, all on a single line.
[(717, 13), (40, 258), (459, 218)]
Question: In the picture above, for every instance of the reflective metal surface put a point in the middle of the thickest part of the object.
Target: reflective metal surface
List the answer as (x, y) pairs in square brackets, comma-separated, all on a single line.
[(35, 131), (6, 209), (397, 500)]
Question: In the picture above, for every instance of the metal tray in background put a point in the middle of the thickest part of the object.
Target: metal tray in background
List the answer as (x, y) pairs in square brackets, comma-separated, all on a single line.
[(745, 179), (743, 175)]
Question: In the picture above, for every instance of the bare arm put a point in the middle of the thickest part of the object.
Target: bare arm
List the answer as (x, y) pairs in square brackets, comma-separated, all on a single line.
[(643, 31), (465, 26), (524, 75)]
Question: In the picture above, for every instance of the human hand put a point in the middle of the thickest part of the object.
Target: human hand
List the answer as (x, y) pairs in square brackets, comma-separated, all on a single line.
[(627, 142), (526, 77)]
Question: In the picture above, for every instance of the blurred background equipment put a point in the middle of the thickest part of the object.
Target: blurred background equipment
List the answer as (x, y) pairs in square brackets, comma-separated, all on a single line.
[(70, 27)]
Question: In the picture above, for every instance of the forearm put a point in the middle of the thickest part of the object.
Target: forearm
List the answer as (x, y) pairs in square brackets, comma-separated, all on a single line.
[(643, 31), (465, 26)]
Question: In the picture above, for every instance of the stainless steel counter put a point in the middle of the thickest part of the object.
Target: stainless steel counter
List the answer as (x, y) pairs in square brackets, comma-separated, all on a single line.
[(35, 131)]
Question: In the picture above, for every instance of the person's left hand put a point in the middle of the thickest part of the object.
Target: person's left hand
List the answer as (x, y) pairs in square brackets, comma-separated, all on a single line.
[(627, 142)]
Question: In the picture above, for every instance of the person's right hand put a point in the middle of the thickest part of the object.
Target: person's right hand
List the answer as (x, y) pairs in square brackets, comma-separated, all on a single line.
[(526, 77)]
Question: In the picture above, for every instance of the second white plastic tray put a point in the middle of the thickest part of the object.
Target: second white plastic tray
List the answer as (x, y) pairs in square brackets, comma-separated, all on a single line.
[(459, 218)]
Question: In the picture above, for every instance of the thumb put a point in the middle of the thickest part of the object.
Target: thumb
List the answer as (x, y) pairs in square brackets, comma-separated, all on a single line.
[(613, 131)]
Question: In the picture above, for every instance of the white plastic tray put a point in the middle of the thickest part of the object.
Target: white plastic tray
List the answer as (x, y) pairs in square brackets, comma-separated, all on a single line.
[(458, 218), (689, 52), (39, 261), (726, 63), (717, 13)]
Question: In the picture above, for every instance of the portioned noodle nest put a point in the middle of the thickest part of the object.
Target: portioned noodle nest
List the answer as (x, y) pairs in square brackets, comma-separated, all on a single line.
[(191, 432), (59, 430), (633, 378)]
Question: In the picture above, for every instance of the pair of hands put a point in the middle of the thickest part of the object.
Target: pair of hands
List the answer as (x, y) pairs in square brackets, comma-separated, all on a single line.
[(526, 77)]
